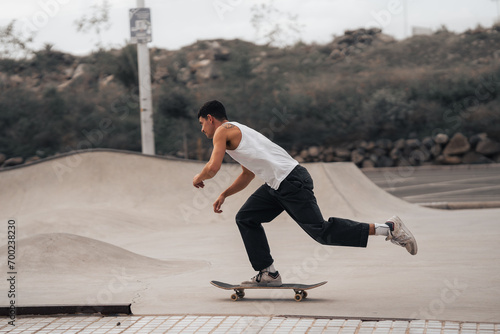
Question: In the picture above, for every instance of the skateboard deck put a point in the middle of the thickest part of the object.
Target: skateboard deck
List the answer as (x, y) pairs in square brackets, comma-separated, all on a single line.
[(239, 290)]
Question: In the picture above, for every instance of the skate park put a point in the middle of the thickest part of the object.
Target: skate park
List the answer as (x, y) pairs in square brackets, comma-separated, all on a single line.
[(114, 227)]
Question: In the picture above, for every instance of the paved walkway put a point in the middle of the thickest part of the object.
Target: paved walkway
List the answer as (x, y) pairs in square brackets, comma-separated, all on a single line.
[(237, 324)]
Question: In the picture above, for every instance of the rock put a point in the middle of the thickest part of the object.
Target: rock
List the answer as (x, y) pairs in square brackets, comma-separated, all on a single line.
[(2, 158), (195, 65), (399, 144), (385, 161), (436, 150), (413, 143), (343, 153), (106, 81), (184, 75), (330, 158), (260, 69), (374, 31), (475, 139), (368, 164), (379, 152), (15, 80), (475, 158), (328, 150), (385, 38), (346, 39), (368, 146), (395, 154), (313, 151), (441, 138), (488, 147), (374, 158), (161, 74), (4, 78), (384, 144), (13, 162), (357, 157), (68, 72), (222, 54), (79, 71), (420, 155), (448, 160), (337, 54), (428, 142), (299, 159), (206, 72), (365, 39), (458, 144), (32, 159)]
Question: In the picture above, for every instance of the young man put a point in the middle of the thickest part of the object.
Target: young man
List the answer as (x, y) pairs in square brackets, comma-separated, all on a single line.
[(288, 187)]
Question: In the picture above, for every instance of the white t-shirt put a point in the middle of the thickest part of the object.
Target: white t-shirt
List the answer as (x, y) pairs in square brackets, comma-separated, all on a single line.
[(262, 157)]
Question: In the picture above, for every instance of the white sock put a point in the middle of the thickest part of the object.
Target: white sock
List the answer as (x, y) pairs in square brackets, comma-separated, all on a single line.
[(271, 268), (382, 229)]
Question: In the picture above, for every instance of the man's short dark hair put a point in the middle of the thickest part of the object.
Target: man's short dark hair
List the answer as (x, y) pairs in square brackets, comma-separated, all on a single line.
[(214, 108)]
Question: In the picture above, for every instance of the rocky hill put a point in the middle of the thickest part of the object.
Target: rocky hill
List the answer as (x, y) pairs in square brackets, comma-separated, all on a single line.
[(363, 97)]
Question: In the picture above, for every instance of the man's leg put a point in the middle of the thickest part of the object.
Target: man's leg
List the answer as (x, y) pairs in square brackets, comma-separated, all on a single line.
[(261, 207), (297, 197)]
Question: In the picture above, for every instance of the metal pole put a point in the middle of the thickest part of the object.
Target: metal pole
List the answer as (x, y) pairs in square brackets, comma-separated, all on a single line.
[(498, 11), (146, 104), (406, 18)]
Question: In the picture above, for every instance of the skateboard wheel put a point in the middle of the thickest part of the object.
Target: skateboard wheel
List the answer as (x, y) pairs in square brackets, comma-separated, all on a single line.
[(298, 297), (304, 294), (234, 297)]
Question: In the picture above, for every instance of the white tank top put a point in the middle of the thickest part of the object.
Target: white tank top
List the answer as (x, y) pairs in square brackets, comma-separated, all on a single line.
[(262, 157)]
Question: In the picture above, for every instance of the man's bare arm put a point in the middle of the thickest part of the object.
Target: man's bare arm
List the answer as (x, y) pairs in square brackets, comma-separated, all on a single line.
[(241, 182), (215, 162)]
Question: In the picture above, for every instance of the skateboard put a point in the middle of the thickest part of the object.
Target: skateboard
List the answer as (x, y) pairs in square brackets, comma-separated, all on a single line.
[(239, 290)]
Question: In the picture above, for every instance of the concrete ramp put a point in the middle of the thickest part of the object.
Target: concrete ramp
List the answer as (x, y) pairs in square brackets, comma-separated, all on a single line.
[(345, 189), (120, 227)]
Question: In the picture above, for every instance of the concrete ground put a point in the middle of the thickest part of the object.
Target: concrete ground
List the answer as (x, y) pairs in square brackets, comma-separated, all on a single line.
[(437, 184), (105, 227)]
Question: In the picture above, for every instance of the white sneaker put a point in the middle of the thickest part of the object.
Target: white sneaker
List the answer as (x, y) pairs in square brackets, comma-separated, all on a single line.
[(400, 235), (264, 278)]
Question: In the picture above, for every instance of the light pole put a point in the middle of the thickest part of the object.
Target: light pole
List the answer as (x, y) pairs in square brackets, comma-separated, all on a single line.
[(406, 18), (498, 11), (140, 25)]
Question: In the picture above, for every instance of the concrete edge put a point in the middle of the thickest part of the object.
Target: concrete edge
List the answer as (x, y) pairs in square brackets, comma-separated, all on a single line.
[(461, 205), (66, 310), (109, 150), (432, 167)]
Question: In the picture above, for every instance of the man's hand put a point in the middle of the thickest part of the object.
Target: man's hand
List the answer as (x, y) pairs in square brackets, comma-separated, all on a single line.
[(198, 182), (218, 203)]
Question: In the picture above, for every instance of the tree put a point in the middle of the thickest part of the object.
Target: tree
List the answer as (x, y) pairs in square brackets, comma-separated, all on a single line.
[(97, 21), (14, 44), (275, 27)]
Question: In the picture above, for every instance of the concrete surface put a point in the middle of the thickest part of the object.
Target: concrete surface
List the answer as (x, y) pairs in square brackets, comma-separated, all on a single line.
[(478, 184), (110, 227)]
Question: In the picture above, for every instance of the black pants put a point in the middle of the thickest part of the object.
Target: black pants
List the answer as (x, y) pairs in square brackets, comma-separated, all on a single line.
[(295, 196)]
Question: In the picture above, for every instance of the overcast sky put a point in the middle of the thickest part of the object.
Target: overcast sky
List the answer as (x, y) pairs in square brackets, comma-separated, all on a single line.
[(177, 23)]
